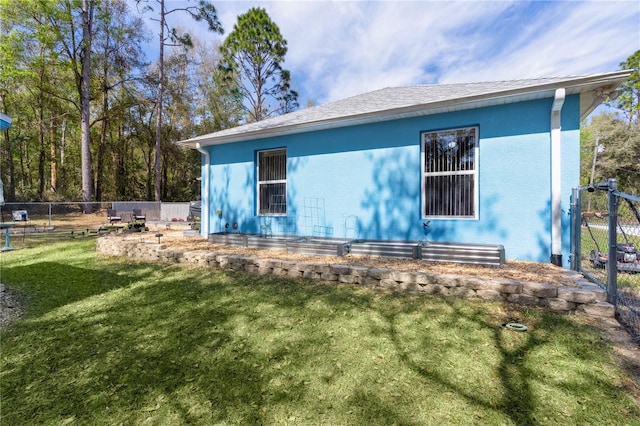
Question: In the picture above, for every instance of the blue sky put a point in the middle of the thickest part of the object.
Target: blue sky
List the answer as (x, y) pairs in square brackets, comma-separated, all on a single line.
[(342, 48)]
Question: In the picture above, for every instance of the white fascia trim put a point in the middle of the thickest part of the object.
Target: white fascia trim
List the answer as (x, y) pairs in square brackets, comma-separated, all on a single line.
[(556, 172)]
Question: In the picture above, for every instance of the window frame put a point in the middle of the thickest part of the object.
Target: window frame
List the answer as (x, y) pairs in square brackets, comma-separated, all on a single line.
[(261, 183), (474, 173)]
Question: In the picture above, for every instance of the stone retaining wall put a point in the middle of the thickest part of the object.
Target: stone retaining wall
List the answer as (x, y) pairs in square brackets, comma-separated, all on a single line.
[(586, 297)]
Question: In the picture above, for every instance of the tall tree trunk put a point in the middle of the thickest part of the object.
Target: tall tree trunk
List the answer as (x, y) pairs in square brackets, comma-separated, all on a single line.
[(149, 184), (25, 163), (121, 153), (165, 179), (158, 175), (42, 154), (121, 173), (9, 185), (42, 157), (53, 130), (85, 98), (100, 160), (103, 142), (63, 142)]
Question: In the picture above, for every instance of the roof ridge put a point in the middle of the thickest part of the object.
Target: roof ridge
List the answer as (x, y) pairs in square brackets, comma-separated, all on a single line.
[(471, 83), (515, 80)]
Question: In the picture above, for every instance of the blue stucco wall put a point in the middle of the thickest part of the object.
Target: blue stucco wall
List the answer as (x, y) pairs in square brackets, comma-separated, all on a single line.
[(370, 174)]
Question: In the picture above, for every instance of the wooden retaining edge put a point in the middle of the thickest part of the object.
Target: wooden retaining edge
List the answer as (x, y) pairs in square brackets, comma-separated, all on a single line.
[(585, 298)]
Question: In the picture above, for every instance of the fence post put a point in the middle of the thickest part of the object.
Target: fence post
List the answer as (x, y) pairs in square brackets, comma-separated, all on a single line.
[(576, 229), (612, 273)]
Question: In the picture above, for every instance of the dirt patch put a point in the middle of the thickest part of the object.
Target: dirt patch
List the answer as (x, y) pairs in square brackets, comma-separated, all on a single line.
[(626, 350), (12, 305)]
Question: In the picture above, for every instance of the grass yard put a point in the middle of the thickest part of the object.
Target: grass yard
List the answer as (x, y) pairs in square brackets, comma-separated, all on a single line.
[(110, 341)]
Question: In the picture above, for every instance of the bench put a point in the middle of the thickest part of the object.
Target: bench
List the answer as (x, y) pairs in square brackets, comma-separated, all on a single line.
[(112, 216), (138, 216)]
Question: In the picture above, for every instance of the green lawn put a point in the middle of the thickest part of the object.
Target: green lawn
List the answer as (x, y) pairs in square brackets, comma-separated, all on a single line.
[(109, 341)]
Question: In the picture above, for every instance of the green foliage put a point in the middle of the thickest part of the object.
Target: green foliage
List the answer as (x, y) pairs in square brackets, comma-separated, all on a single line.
[(221, 107), (620, 159), (207, 12), (203, 11), (38, 90), (110, 341), (629, 99), (252, 57), (136, 227), (40, 155)]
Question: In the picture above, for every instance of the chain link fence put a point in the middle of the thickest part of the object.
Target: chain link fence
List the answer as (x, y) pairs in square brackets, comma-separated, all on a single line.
[(606, 246), (60, 213), (35, 222)]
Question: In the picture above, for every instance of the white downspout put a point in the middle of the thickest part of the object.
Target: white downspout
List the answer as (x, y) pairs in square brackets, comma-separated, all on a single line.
[(205, 192), (556, 178)]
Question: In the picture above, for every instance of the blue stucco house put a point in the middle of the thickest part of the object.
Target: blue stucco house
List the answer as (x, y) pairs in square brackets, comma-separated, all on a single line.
[(489, 163), (5, 121)]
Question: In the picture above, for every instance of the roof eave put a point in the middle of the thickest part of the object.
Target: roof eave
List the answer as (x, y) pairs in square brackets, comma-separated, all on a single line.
[(596, 89), (354, 120), (5, 121)]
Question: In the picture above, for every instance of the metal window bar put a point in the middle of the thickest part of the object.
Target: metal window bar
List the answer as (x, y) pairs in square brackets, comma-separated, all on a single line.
[(278, 203), (275, 193), (449, 173), (272, 182)]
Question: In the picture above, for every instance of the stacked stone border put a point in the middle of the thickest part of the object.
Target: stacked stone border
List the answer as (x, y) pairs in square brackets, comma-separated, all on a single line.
[(586, 297)]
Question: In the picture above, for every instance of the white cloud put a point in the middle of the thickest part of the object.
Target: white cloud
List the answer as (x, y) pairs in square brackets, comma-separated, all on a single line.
[(345, 48), (342, 48), (568, 39)]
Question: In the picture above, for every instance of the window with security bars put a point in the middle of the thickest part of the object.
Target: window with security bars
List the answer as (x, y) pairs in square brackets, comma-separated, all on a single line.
[(272, 182), (449, 179)]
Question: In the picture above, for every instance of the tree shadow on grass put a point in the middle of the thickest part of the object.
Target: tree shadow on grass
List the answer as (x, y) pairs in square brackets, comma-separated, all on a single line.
[(185, 345), (517, 358), (54, 284), (122, 348), (138, 345)]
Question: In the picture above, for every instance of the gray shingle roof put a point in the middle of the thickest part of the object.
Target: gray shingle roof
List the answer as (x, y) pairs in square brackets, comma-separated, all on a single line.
[(401, 102)]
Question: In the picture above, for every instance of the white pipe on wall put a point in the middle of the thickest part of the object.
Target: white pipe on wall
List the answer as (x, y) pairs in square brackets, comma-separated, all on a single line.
[(556, 177), (205, 219)]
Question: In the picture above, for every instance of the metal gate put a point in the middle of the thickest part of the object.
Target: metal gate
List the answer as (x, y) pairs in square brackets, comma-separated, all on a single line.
[(605, 246)]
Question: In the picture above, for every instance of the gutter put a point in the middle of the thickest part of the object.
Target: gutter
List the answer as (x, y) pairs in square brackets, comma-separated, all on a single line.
[(556, 177), (205, 193)]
